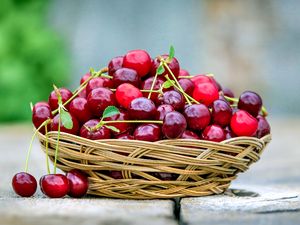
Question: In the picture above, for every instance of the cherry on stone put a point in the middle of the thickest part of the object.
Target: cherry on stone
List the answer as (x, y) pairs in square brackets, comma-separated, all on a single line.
[(243, 124), (174, 125), (65, 95), (115, 64), (175, 99), (173, 65), (55, 122), (123, 127), (125, 93), (139, 60), (79, 108), (98, 99), (213, 133), (98, 82), (205, 93), (197, 116), (183, 73), (162, 110), (187, 85), (250, 102), (24, 184), (54, 185), (263, 127), (78, 183), (40, 113), (125, 75), (221, 113), (142, 109), (187, 134), (101, 133), (147, 84), (147, 132)]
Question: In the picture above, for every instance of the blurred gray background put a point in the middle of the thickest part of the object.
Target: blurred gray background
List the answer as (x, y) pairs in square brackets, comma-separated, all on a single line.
[(247, 44)]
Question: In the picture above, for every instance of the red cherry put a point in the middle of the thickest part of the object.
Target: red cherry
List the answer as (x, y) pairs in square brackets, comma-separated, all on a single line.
[(187, 85), (250, 102), (162, 111), (243, 124), (40, 113), (98, 99), (79, 108), (97, 83), (85, 77), (221, 113), (147, 84), (213, 133), (138, 60), (147, 132), (125, 136), (174, 125), (123, 127), (65, 95), (187, 134), (78, 183), (183, 73), (115, 174), (125, 75), (142, 109), (228, 133), (54, 185), (82, 93), (24, 184), (115, 64), (228, 92), (200, 79), (197, 116), (173, 65), (101, 133), (263, 127), (125, 93), (74, 130), (175, 99), (205, 93)]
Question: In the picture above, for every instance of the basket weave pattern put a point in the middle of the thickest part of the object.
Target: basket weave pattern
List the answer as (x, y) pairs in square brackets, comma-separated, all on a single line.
[(201, 167)]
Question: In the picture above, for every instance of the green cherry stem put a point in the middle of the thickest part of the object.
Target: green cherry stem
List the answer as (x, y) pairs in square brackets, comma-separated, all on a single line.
[(152, 85), (230, 99), (102, 123), (47, 148), (154, 91), (45, 123), (57, 142)]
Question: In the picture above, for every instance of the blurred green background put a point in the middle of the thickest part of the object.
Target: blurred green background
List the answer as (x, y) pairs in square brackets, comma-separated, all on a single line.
[(248, 45)]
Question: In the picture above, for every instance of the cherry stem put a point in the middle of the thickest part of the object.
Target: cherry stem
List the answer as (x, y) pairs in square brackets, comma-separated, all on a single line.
[(47, 145), (155, 91), (57, 142), (31, 142), (83, 86), (230, 99), (152, 85), (264, 111)]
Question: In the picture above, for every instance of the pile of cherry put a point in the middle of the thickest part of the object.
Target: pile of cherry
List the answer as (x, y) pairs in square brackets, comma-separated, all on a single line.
[(140, 99)]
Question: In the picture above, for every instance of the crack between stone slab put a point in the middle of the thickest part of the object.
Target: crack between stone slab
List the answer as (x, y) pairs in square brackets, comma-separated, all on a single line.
[(177, 211), (280, 211)]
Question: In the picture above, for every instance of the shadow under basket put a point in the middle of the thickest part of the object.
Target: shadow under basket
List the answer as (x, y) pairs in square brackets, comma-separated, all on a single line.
[(196, 167)]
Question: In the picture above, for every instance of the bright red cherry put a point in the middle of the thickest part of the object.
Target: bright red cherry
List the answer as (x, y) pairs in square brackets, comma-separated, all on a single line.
[(187, 85), (213, 133), (201, 78), (250, 102), (74, 130), (147, 132), (221, 113), (174, 125), (142, 109), (78, 183), (24, 184), (125, 75), (98, 99), (40, 113), (243, 124), (123, 127), (263, 127), (162, 111), (115, 64), (98, 82), (175, 99), (205, 93), (87, 132), (125, 93), (187, 134), (147, 84), (85, 77), (54, 185), (65, 95), (79, 108), (173, 65), (139, 60), (183, 73), (197, 116)]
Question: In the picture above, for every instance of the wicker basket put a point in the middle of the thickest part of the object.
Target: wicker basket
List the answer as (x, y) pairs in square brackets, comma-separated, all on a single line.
[(201, 167)]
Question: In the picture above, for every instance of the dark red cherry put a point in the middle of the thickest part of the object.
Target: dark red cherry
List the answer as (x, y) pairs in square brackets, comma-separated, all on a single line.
[(263, 127), (24, 184), (165, 176), (115, 174), (142, 109), (213, 133), (98, 99), (173, 65), (228, 133), (98, 82), (125, 136), (183, 73), (125, 75), (54, 185), (187, 134), (147, 84), (221, 113), (187, 85), (175, 99), (250, 102), (243, 124), (125, 93), (197, 116), (87, 132), (228, 92), (85, 77), (139, 60), (123, 127), (147, 132), (78, 183), (79, 108), (65, 95), (205, 93), (115, 64), (162, 110), (74, 130), (174, 125), (40, 113)]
